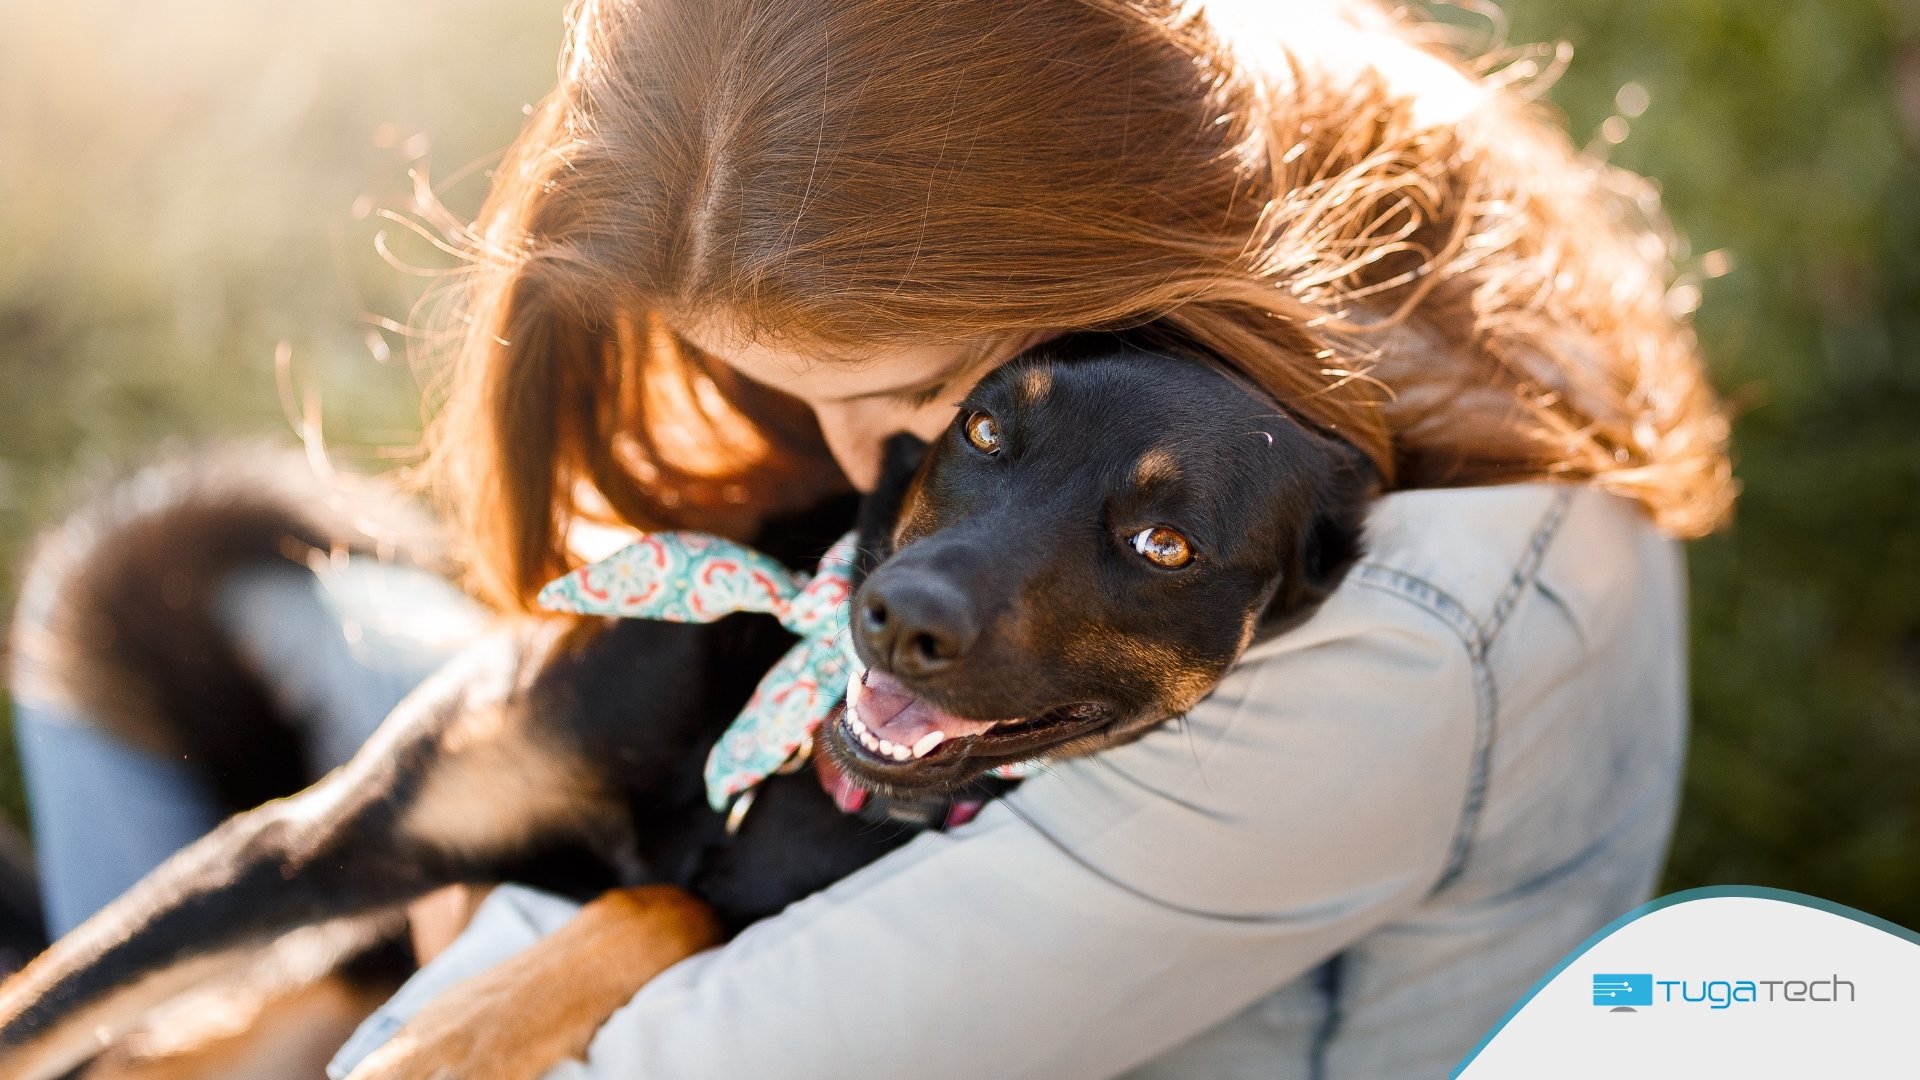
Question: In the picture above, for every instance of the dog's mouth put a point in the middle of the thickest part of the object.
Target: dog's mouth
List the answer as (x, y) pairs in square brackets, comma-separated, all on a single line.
[(900, 739)]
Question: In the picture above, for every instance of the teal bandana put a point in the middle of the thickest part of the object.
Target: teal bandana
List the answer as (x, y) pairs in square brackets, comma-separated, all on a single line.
[(691, 577)]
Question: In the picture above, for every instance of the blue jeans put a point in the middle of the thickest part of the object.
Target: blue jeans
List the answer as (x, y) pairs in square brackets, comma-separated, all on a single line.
[(339, 647)]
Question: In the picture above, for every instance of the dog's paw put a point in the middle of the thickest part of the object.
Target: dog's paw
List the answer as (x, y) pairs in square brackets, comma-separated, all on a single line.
[(508, 1023), (413, 1057), (468, 1035), (543, 1005)]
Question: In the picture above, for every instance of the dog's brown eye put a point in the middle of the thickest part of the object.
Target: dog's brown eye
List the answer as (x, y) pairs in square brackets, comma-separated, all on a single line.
[(1163, 547), (983, 433)]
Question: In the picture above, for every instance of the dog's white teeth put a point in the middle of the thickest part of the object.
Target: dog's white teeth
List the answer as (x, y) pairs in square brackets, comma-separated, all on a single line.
[(887, 748)]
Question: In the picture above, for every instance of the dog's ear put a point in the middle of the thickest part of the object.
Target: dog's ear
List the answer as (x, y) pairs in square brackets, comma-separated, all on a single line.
[(900, 458), (1329, 539)]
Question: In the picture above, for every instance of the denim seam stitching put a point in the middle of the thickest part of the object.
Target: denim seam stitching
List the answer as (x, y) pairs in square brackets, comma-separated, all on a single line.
[(1528, 567), (1477, 638), (1450, 611), (1327, 979)]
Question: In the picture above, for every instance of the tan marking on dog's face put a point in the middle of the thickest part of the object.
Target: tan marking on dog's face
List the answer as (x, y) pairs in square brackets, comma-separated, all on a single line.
[(1035, 385), (1155, 467), (1177, 681), (916, 515), (1248, 625)]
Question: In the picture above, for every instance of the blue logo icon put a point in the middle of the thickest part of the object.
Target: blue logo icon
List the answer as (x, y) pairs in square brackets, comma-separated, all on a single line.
[(1623, 992)]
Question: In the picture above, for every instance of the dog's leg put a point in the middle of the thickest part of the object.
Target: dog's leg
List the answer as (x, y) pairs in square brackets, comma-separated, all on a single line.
[(245, 1036), (542, 1006), (463, 777)]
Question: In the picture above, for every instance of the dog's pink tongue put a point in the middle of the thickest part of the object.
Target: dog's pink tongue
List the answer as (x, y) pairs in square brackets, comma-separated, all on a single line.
[(891, 712)]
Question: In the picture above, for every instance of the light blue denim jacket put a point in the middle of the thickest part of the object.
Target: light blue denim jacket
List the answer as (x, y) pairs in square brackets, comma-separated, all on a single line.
[(1347, 862)]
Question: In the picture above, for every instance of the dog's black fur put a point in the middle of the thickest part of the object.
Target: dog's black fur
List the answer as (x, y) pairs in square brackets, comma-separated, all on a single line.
[(569, 754)]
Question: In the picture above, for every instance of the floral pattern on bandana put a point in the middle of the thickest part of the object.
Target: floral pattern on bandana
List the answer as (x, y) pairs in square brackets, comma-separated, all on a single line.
[(695, 578), (691, 577)]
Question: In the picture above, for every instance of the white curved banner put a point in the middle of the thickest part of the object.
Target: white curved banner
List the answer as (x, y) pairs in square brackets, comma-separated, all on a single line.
[(1723, 981)]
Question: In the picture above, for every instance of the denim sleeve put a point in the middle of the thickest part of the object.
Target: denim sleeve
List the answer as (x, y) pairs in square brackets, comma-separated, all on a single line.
[(1117, 905)]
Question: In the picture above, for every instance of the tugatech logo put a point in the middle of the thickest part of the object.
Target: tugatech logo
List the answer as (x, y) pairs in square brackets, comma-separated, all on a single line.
[(1759, 982), (1623, 992), (1629, 993)]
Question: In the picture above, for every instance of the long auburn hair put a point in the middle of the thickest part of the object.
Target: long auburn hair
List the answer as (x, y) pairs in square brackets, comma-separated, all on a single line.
[(1402, 247)]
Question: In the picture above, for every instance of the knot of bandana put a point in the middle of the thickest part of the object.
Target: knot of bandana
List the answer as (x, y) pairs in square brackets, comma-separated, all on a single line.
[(696, 578)]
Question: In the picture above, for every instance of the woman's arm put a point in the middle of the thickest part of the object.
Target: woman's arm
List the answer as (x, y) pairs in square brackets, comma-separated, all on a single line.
[(1102, 913), (1117, 907)]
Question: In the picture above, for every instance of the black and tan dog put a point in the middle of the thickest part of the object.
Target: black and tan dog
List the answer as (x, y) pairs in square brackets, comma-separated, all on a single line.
[(1098, 537)]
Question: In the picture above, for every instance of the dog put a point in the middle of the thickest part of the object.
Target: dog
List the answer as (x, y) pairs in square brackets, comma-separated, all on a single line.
[(1104, 529)]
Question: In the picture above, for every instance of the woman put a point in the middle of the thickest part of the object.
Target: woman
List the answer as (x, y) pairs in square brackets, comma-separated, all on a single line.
[(745, 240)]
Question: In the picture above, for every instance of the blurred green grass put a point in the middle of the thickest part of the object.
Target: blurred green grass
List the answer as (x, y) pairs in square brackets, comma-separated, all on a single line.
[(183, 196), (1788, 134), (186, 193)]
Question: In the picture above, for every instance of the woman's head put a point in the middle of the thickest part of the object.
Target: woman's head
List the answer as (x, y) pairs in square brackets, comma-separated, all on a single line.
[(859, 397), (736, 225)]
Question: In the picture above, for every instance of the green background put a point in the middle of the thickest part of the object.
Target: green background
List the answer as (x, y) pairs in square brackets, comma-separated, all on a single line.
[(184, 196)]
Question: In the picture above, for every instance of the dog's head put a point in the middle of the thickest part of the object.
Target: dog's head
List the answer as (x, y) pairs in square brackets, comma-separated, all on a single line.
[(1098, 536)]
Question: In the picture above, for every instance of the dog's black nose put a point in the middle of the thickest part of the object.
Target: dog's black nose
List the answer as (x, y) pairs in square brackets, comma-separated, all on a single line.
[(918, 626)]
